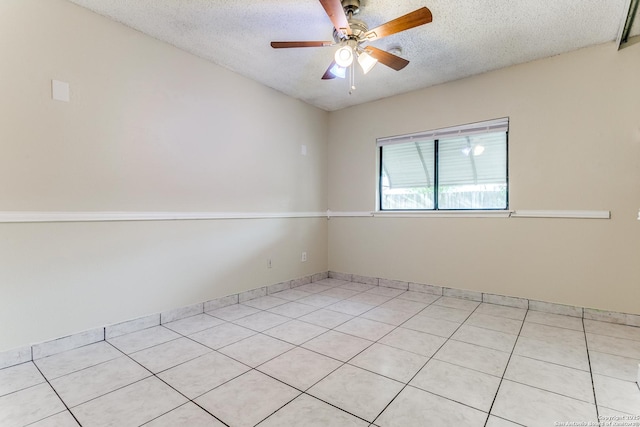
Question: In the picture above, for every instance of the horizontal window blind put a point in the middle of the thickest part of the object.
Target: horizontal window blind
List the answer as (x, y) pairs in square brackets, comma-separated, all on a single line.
[(497, 125), (410, 165), (461, 167), (458, 168)]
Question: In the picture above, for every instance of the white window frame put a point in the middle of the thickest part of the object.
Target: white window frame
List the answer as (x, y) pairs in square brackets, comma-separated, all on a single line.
[(489, 126)]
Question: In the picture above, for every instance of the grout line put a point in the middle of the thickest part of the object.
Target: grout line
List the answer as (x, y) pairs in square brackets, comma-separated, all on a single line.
[(59, 397), (495, 397), (593, 385)]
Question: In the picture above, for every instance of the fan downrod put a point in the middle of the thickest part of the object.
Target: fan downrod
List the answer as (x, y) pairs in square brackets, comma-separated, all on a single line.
[(351, 7)]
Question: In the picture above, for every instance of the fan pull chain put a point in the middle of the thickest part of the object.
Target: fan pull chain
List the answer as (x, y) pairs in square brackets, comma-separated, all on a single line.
[(352, 78)]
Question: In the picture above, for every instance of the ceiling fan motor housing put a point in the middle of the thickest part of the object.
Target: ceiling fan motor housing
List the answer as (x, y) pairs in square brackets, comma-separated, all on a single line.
[(351, 7), (358, 30)]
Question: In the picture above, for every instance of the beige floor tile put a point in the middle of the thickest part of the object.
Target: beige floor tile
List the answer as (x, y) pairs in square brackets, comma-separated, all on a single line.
[(429, 325), (247, 400), (387, 315), (354, 286), (337, 345), (61, 419), (365, 328), (350, 307), (29, 405), (307, 411), (613, 345), (319, 300), (265, 303), (300, 368), (73, 360), (132, 405), (463, 385), (202, 374), (293, 309), (612, 330), (256, 350), (485, 338), (233, 312), (19, 377), (610, 365), (414, 341), (86, 384), (167, 355), (295, 331), (387, 292), (391, 362), (563, 380), (419, 297), (499, 422), (191, 325), (573, 356), (446, 313), (314, 287), (556, 320), (357, 391), (533, 407), (291, 294), (261, 321), (495, 323), (418, 408), (188, 415), (459, 303), (551, 334), (405, 306), (623, 396), (489, 361), (502, 311), (326, 318), (339, 293), (369, 299), (139, 340), (222, 335)]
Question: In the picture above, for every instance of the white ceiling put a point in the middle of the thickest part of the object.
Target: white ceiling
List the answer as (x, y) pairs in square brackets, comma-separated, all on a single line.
[(465, 38)]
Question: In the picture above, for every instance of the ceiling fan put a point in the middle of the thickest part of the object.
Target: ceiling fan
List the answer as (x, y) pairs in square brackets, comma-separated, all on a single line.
[(352, 35)]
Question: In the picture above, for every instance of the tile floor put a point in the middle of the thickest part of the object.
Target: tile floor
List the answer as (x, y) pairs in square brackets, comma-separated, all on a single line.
[(334, 353)]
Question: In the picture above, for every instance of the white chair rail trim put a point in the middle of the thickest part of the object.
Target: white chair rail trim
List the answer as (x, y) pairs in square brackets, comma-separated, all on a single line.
[(36, 216)]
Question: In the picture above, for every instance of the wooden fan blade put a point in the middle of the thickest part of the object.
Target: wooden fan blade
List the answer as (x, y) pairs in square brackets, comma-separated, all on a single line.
[(410, 20), (281, 45), (336, 14), (328, 75), (386, 58)]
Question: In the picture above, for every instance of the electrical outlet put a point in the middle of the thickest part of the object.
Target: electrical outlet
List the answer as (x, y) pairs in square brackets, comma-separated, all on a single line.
[(268, 262), (303, 258)]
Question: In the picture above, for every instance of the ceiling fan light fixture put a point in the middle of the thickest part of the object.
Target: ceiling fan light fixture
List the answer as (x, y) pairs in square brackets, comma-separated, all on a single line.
[(344, 56), (338, 71), (366, 61)]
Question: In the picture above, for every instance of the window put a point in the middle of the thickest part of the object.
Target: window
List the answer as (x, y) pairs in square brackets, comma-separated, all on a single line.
[(463, 167)]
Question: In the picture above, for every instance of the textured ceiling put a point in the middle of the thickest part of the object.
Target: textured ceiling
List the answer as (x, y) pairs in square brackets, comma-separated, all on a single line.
[(465, 38)]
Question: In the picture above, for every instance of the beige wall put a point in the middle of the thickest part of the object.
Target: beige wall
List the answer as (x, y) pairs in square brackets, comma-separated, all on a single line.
[(149, 128), (574, 144)]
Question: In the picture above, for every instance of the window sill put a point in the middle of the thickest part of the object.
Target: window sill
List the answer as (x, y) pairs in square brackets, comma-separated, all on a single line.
[(444, 214)]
